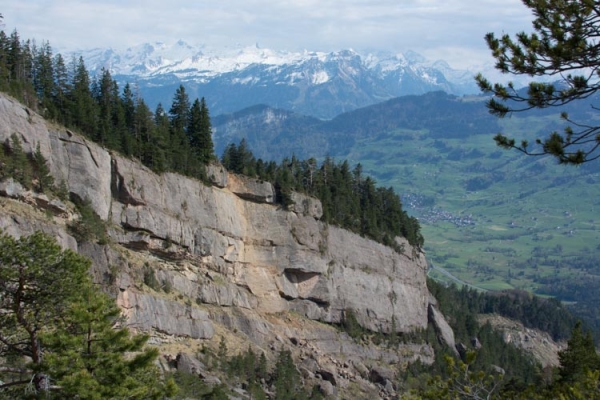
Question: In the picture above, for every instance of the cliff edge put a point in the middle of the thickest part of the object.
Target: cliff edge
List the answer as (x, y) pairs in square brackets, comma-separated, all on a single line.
[(192, 263)]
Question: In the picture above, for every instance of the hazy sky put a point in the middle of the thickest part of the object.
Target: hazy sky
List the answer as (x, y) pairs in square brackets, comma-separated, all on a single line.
[(452, 30)]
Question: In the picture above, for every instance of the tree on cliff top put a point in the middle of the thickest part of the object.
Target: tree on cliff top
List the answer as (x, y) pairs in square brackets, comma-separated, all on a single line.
[(58, 333), (564, 45)]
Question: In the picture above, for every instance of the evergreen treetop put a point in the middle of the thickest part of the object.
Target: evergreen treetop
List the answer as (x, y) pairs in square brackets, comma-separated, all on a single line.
[(59, 336), (563, 45)]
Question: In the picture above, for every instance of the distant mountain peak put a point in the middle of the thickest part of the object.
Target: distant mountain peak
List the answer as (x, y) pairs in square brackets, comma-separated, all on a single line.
[(321, 84), (203, 58), (414, 57)]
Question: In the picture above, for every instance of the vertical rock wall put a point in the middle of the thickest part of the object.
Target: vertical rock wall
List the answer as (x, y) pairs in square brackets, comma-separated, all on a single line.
[(271, 260)]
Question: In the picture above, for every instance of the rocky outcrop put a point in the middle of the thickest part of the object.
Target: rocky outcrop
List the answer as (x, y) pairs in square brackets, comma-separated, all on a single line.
[(83, 166), (145, 312), (442, 328), (12, 189), (538, 343), (16, 224), (230, 257), (282, 260)]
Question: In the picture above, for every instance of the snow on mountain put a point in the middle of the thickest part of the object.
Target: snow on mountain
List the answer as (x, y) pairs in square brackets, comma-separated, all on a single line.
[(148, 59), (201, 62), (320, 84)]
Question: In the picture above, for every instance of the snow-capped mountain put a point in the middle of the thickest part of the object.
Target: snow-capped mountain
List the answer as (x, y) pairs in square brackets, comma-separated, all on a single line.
[(313, 83)]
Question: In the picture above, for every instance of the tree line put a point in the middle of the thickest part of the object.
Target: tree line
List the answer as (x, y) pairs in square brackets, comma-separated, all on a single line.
[(179, 140), (497, 369), (548, 315), (350, 199)]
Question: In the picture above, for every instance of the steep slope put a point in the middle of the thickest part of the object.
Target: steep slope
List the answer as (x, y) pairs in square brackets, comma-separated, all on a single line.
[(236, 266), (494, 219)]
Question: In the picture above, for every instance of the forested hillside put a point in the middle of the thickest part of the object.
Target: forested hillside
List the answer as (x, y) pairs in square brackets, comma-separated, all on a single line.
[(437, 114), (179, 140)]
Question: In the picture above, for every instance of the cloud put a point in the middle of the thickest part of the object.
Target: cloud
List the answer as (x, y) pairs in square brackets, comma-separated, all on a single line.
[(435, 28)]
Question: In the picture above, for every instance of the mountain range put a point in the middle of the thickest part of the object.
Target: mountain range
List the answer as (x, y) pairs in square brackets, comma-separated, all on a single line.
[(274, 133), (318, 84)]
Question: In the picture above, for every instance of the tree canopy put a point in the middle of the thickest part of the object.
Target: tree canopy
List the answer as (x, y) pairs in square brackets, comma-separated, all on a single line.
[(59, 336), (178, 140), (350, 199), (564, 46)]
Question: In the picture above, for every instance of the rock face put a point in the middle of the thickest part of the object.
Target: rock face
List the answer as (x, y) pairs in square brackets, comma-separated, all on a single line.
[(442, 328), (235, 258), (283, 260)]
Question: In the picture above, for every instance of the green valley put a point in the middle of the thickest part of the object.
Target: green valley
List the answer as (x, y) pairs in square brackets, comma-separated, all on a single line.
[(492, 218), (495, 219)]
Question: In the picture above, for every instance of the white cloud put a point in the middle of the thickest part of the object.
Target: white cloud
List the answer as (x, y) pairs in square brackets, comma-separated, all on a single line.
[(435, 28)]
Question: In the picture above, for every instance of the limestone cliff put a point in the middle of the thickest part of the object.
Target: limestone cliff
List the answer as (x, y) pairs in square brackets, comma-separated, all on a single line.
[(236, 264)]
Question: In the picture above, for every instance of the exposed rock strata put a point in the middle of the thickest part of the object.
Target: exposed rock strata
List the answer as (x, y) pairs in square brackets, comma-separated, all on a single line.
[(282, 260), (231, 258)]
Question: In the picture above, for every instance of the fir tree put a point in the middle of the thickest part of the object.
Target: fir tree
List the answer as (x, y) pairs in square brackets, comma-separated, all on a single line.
[(83, 108), (19, 167), (579, 357), (178, 140), (61, 90), (53, 317), (200, 132), (45, 181), (43, 78)]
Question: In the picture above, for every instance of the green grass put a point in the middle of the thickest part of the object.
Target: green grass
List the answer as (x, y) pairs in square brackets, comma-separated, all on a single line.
[(531, 208)]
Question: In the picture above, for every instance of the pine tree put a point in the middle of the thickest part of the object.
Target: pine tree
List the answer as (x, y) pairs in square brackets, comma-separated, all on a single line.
[(110, 130), (19, 62), (53, 317), (193, 130), (122, 133), (45, 181), (286, 376), (61, 90), (19, 167), (83, 108), (144, 133), (131, 140), (43, 78), (4, 62), (178, 140), (87, 354), (579, 357), (207, 152), (199, 132), (16, 61), (563, 45), (160, 149), (37, 282)]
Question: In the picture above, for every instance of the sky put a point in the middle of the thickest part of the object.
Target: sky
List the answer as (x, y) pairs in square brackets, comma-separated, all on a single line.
[(451, 30)]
